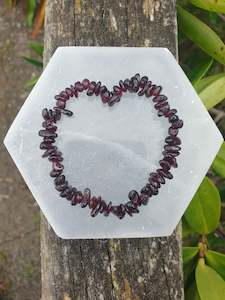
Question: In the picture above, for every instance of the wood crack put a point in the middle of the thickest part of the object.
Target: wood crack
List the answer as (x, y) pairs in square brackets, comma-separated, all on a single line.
[(83, 268)]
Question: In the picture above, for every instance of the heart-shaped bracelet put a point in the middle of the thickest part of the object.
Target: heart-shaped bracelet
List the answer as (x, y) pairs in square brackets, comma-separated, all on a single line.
[(136, 84)]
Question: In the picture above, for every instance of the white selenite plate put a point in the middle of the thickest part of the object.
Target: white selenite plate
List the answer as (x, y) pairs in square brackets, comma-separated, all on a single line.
[(113, 150)]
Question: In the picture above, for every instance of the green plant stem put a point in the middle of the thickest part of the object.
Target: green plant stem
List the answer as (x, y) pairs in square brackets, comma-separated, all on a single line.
[(202, 246)]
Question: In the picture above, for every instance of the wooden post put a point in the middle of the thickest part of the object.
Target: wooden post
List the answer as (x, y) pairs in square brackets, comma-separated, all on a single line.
[(124, 269)]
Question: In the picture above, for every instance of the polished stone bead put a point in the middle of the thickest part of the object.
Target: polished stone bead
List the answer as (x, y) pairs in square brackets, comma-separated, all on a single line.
[(49, 140), (57, 166), (161, 104), (121, 211), (144, 199), (153, 189), (47, 123), (70, 193), (79, 86), (85, 83), (169, 148), (150, 90), (156, 91), (93, 202), (173, 131), (172, 140), (58, 97), (128, 210), (164, 173), (86, 197), (178, 124), (174, 153), (154, 183), (61, 187), (128, 84), (137, 76), (76, 198), (73, 91), (48, 152), (64, 193), (60, 104), (91, 88), (51, 128), (96, 209), (131, 207), (122, 86), (134, 197), (55, 158), (135, 84), (173, 118), (108, 209), (159, 98), (60, 179), (114, 99), (117, 90), (164, 109), (64, 111), (46, 133), (97, 88), (170, 113), (56, 115), (165, 164), (160, 179), (106, 96), (64, 96), (153, 180), (145, 190), (46, 146), (55, 173), (45, 114), (69, 92), (144, 88), (103, 207), (103, 89), (172, 160), (143, 81)]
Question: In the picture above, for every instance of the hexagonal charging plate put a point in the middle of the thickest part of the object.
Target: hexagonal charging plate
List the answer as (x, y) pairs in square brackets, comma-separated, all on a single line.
[(112, 150)]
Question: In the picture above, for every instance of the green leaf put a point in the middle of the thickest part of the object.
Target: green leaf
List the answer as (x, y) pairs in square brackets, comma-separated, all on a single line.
[(31, 6), (203, 83), (211, 5), (32, 81), (191, 293), (200, 69), (203, 213), (34, 61), (216, 261), (201, 34), (222, 192), (218, 164), (215, 241), (189, 253), (210, 284), (189, 262), (186, 229), (36, 47), (213, 93)]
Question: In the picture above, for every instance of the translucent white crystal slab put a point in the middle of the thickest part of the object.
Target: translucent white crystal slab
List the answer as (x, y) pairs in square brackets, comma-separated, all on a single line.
[(112, 150)]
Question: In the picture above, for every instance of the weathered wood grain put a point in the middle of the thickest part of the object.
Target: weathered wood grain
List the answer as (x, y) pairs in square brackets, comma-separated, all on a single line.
[(126, 269)]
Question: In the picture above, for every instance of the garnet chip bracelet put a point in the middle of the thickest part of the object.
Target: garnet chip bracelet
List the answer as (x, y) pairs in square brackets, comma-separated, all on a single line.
[(144, 87)]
